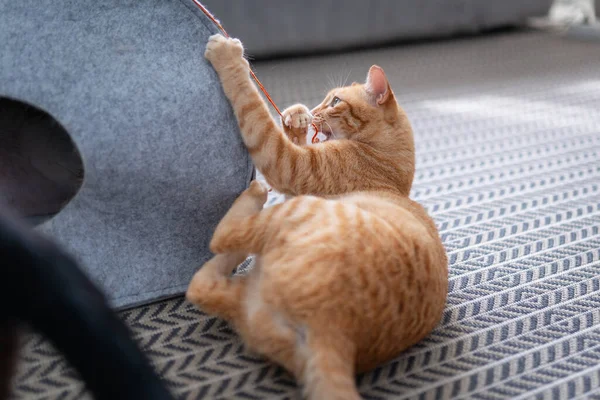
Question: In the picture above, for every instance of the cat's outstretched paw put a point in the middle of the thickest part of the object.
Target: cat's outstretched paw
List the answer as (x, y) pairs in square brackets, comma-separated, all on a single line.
[(224, 52), (297, 116)]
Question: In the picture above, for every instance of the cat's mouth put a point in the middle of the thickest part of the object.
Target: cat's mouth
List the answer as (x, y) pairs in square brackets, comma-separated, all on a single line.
[(325, 131)]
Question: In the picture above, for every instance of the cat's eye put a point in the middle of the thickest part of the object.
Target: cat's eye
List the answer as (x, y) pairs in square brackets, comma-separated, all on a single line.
[(334, 101)]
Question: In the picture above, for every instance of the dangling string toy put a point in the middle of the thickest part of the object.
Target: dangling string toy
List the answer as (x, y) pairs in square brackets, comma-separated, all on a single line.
[(314, 139)]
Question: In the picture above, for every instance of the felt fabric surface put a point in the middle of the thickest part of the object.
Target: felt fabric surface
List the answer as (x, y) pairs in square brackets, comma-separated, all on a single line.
[(163, 158)]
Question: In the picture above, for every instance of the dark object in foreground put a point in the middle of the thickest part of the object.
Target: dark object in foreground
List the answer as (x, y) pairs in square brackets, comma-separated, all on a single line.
[(45, 289)]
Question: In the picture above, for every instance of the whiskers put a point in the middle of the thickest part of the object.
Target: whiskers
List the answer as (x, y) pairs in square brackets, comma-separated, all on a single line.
[(332, 133), (345, 82), (330, 82), (338, 80)]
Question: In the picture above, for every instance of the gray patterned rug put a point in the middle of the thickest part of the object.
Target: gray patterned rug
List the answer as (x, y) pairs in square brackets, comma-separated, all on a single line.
[(508, 141)]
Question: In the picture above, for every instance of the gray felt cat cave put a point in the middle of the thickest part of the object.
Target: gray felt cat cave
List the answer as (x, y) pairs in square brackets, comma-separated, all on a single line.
[(116, 137)]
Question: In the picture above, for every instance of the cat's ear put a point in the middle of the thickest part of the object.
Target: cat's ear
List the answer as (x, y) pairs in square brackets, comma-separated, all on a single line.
[(377, 85)]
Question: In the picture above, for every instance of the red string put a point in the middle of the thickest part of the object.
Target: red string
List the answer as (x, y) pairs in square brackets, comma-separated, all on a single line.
[(260, 85)]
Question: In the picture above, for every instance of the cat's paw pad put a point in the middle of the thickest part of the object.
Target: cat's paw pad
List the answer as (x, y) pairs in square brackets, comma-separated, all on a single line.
[(221, 50), (297, 116)]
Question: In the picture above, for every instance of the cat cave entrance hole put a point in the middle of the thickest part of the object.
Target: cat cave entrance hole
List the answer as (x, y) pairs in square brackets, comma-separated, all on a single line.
[(41, 169)]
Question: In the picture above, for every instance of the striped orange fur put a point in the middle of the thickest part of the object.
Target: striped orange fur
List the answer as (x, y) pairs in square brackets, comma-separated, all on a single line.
[(349, 272)]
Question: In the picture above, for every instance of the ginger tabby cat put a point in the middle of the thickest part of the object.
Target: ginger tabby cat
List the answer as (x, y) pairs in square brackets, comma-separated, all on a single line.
[(348, 273)]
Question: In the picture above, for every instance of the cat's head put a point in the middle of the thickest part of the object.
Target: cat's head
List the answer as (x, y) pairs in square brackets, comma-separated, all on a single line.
[(362, 111)]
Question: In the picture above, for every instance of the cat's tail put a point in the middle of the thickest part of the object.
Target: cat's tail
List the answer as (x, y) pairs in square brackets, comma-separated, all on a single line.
[(329, 371)]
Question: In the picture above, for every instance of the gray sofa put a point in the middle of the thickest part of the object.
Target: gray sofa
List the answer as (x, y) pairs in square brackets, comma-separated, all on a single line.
[(270, 28)]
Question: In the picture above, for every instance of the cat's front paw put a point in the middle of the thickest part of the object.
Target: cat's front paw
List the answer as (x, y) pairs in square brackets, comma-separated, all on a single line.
[(224, 52), (297, 116)]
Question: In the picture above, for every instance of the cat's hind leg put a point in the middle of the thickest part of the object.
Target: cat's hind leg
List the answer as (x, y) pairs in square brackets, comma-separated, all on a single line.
[(212, 288), (214, 291), (257, 233), (324, 367), (235, 231), (329, 371), (267, 331), (250, 202)]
